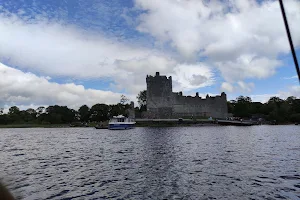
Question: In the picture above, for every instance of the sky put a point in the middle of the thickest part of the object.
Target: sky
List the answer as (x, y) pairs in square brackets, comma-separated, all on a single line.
[(76, 52)]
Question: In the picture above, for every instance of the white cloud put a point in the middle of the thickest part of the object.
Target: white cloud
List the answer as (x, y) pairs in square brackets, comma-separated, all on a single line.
[(247, 66), (175, 21), (292, 77), (134, 71), (151, 64), (192, 76), (242, 38), (262, 97), (57, 49), (230, 35), (247, 87), (29, 90), (293, 90), (227, 87), (185, 76), (239, 86)]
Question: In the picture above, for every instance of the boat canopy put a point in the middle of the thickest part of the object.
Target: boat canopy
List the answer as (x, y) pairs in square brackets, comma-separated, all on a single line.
[(119, 117)]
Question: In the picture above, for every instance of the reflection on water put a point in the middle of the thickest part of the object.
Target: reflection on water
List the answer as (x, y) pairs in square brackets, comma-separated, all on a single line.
[(258, 162)]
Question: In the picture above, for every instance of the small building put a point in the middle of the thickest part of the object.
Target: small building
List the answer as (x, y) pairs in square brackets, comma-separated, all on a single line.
[(162, 102)]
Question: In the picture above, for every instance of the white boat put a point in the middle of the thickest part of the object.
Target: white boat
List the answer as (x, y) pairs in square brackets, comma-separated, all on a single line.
[(121, 122)]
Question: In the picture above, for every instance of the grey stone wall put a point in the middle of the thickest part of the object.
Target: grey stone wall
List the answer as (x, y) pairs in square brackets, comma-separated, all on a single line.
[(163, 103)]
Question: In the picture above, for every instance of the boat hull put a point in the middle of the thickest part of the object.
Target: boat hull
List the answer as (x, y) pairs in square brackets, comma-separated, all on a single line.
[(97, 127), (120, 126)]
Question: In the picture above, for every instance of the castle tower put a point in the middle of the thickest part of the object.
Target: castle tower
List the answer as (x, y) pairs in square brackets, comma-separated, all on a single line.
[(159, 96)]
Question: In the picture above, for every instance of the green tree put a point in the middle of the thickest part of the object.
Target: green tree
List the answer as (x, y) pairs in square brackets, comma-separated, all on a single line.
[(230, 106), (40, 110), (142, 100), (13, 110), (242, 107), (290, 99), (243, 99), (32, 113), (4, 119), (295, 118), (123, 99), (256, 108), (118, 109), (84, 113), (59, 114), (14, 115), (28, 115), (99, 112)]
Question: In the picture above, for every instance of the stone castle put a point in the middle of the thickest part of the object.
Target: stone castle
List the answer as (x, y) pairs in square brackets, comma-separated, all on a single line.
[(162, 102)]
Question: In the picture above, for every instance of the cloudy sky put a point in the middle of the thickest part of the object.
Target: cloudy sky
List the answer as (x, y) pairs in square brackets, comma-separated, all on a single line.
[(75, 52)]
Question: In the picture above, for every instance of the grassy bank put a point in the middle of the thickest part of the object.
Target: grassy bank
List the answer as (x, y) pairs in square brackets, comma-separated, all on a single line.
[(34, 126)]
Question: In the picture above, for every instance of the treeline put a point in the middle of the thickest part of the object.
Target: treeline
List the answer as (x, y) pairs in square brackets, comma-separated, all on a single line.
[(62, 114), (281, 110)]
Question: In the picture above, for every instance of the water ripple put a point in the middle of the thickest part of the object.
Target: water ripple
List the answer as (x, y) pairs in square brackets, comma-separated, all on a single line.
[(261, 162)]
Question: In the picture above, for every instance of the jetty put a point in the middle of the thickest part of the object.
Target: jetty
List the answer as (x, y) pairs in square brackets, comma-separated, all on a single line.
[(236, 123)]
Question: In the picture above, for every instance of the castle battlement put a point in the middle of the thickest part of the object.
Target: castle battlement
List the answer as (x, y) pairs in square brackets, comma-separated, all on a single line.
[(162, 102), (157, 77)]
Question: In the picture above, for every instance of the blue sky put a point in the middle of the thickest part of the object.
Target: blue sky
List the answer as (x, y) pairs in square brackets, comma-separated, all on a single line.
[(75, 52)]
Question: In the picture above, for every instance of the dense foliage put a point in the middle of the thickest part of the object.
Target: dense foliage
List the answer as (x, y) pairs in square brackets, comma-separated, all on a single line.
[(282, 111), (62, 114)]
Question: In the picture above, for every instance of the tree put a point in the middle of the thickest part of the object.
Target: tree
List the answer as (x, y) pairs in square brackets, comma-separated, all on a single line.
[(118, 109), (275, 100), (290, 99), (242, 99), (242, 107), (255, 108), (28, 115), (84, 113), (31, 111), (14, 114), (75, 114), (231, 105), (40, 110), (123, 99), (59, 114), (1, 111), (142, 98), (295, 118), (4, 119), (99, 112), (13, 110)]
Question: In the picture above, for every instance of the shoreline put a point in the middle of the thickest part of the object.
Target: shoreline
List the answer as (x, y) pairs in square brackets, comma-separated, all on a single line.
[(137, 125)]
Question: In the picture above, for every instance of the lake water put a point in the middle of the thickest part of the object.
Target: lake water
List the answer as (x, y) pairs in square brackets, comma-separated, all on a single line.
[(259, 162)]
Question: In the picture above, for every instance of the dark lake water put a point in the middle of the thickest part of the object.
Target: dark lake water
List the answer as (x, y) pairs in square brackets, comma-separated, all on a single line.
[(259, 162)]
